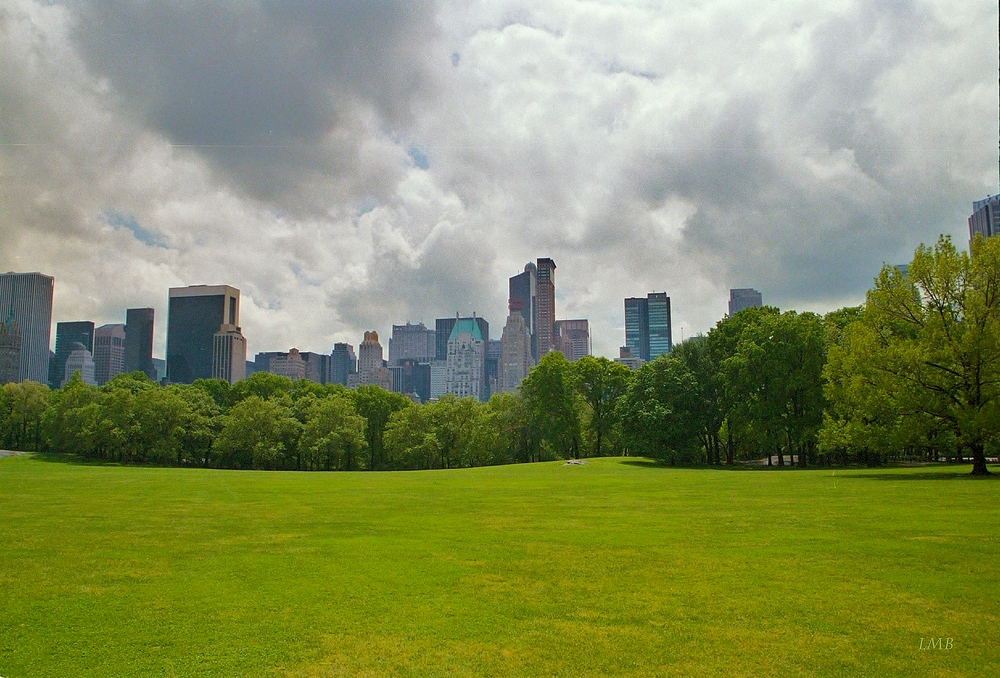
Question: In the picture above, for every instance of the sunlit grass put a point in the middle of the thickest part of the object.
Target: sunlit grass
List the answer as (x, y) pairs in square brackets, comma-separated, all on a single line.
[(618, 567)]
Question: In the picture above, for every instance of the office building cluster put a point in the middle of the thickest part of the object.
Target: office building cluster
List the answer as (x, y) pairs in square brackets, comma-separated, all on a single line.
[(205, 341)]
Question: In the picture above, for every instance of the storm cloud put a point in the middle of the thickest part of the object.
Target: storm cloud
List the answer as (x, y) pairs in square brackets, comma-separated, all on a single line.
[(350, 165)]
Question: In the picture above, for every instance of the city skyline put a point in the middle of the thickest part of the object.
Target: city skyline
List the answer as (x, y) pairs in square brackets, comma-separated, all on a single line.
[(398, 163)]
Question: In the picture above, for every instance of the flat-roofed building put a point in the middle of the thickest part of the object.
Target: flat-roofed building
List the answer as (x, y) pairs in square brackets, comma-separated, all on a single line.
[(194, 317), (26, 298), (109, 352)]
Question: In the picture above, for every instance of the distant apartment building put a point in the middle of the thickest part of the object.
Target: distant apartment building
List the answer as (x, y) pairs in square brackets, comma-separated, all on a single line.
[(139, 341), (202, 328), (343, 363), (10, 350), (26, 299), (68, 336), (79, 359), (295, 364), (985, 219), (443, 328), (466, 361), (414, 378), (109, 352), (572, 338), (494, 348), (413, 342), (229, 354), (439, 378), (741, 298), (648, 330), (516, 357)]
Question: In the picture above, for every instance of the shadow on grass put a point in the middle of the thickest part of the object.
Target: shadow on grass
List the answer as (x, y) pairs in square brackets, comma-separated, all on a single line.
[(74, 459), (885, 473), (922, 475)]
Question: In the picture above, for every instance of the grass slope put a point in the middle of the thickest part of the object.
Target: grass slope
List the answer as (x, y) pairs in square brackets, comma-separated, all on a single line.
[(618, 567)]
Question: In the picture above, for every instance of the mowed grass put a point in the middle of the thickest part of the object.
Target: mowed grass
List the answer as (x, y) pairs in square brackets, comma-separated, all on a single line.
[(618, 567)]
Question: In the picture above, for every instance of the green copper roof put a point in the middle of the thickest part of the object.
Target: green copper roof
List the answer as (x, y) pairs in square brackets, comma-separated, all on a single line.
[(468, 326)]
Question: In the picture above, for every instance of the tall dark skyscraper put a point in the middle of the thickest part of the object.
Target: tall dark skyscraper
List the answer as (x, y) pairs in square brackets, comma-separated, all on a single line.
[(647, 325), (68, 335), (26, 299), (523, 298), (660, 335), (194, 317), (139, 341), (637, 326), (342, 363), (546, 313)]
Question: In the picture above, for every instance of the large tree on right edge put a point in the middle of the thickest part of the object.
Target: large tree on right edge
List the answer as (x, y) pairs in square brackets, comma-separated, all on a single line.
[(934, 341)]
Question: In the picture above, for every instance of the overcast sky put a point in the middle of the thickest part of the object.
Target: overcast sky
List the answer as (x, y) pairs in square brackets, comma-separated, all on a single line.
[(357, 164)]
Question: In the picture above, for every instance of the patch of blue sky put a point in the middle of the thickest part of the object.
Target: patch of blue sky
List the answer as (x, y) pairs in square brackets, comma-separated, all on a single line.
[(118, 221), (418, 157)]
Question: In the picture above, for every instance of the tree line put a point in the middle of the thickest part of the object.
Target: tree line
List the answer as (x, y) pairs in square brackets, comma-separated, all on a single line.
[(914, 373)]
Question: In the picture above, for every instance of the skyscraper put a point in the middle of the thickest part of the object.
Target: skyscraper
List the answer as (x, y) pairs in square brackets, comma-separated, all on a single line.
[(109, 352), (68, 335), (26, 298), (741, 298), (412, 341), (985, 219), (342, 363), (660, 335), (647, 326), (195, 315), (289, 365), (637, 326), (466, 362), (229, 354), (10, 350), (371, 366), (546, 313), (516, 358), (573, 338), (139, 341), (523, 298)]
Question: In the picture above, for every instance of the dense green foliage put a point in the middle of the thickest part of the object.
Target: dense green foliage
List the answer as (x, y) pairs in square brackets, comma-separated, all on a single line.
[(912, 374), (619, 567)]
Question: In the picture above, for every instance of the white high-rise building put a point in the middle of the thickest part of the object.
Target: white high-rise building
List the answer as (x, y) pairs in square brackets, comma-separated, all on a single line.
[(109, 352), (465, 374), (82, 361), (515, 353), (229, 354)]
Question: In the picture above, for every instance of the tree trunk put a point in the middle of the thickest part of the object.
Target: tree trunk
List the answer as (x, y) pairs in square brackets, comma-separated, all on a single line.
[(781, 457), (978, 460)]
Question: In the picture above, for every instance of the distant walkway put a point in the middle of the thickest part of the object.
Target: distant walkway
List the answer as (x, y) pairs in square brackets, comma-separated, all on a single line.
[(10, 453)]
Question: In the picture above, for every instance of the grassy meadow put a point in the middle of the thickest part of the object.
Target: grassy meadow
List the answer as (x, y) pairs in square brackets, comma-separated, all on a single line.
[(616, 567)]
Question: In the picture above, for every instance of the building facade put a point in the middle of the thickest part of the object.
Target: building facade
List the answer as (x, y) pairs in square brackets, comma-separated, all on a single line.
[(516, 357), (985, 219), (289, 365), (546, 307), (139, 341), (573, 338), (343, 363), (79, 360), (109, 352), (371, 367), (194, 316), (412, 342), (10, 350), (648, 331), (523, 298), (26, 298), (68, 335), (229, 354), (741, 298), (466, 362)]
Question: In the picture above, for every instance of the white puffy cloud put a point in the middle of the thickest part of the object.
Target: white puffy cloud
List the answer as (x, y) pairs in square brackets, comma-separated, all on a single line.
[(369, 163)]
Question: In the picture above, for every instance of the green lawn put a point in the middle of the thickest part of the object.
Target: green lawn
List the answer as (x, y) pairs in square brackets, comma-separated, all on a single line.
[(618, 567)]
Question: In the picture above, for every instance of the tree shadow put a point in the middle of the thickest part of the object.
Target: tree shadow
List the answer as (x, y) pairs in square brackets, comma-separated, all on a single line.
[(71, 459), (921, 475)]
